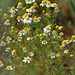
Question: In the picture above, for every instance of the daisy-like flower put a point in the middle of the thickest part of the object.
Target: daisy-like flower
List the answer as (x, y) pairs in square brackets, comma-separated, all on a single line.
[(48, 4), (36, 19), (8, 42), (19, 5), (58, 55), (73, 38), (7, 49), (27, 20), (43, 3), (8, 38), (60, 27), (29, 38), (12, 27), (27, 29), (25, 15), (44, 42), (67, 41), (19, 38), (29, 1), (35, 5), (22, 32), (5, 15), (24, 49), (57, 27), (1, 64), (61, 46), (54, 32), (12, 15), (7, 22), (47, 14), (66, 51), (9, 67), (12, 10), (31, 54), (64, 42), (27, 59), (14, 52), (2, 43), (56, 9), (61, 33), (53, 5), (19, 18), (52, 55), (47, 29)]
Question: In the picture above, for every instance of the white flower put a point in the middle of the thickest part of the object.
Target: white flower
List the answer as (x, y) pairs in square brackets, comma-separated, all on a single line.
[(24, 49), (66, 51), (27, 59), (12, 10), (56, 9), (47, 14), (22, 32), (8, 38), (43, 3), (12, 15), (7, 22), (14, 52), (53, 5), (52, 55), (61, 33), (2, 43), (27, 20), (31, 54), (19, 5), (47, 29), (7, 49), (44, 42), (1, 64), (48, 4), (19, 38), (29, 1), (9, 67), (29, 38)]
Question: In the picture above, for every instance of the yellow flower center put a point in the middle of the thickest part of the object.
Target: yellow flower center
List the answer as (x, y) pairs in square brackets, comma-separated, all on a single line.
[(67, 40), (73, 37), (35, 4), (8, 37), (14, 51), (32, 8), (7, 48), (2, 42), (47, 13), (7, 20), (51, 54), (27, 18), (35, 19), (0, 62), (8, 66), (61, 47), (64, 42), (56, 8), (66, 50), (5, 15), (19, 4), (71, 55), (19, 38), (21, 31), (47, 28), (48, 2), (28, 37), (54, 4), (24, 48), (19, 17), (57, 27), (54, 31), (12, 13), (13, 8), (44, 41), (27, 58), (31, 52), (28, 0), (43, 2), (25, 14), (40, 34), (58, 55), (9, 42)]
